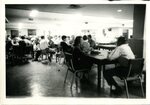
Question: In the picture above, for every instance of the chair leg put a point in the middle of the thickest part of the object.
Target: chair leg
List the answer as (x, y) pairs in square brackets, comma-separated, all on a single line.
[(66, 76), (72, 80), (110, 88), (76, 80), (103, 76), (126, 86), (56, 58), (141, 86)]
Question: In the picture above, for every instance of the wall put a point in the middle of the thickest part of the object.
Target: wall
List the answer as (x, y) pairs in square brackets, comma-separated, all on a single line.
[(136, 42)]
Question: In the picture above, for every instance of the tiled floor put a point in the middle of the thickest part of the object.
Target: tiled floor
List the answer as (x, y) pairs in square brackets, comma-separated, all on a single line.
[(37, 79)]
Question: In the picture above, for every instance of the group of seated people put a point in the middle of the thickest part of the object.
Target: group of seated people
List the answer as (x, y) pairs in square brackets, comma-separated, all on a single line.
[(16, 45), (43, 46), (20, 45), (81, 49)]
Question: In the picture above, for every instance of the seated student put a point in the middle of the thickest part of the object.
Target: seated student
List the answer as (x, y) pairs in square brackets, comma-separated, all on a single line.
[(8, 44), (50, 42), (36, 48), (65, 46), (43, 46), (14, 41), (85, 45), (122, 50), (91, 41), (51, 45), (72, 40), (22, 46), (80, 59), (43, 43)]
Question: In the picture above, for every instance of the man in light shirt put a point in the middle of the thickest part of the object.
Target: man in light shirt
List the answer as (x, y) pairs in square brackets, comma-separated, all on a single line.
[(122, 52), (43, 43), (42, 47)]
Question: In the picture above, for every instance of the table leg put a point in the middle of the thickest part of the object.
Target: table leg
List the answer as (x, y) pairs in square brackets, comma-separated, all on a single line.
[(103, 85), (99, 78)]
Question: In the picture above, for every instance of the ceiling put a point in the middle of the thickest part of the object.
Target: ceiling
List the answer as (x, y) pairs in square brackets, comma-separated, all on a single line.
[(94, 10)]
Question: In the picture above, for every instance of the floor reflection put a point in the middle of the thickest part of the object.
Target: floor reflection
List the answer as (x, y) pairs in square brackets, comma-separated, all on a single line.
[(47, 80)]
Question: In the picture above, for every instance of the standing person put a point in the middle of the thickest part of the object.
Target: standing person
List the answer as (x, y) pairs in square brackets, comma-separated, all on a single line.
[(65, 46), (85, 45), (124, 51), (91, 41)]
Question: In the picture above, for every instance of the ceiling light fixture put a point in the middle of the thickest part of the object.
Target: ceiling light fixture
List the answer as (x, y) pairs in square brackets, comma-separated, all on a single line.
[(119, 10), (33, 13), (74, 6)]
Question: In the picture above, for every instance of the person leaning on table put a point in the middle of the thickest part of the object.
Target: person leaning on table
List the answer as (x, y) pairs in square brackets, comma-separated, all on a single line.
[(80, 59), (121, 52)]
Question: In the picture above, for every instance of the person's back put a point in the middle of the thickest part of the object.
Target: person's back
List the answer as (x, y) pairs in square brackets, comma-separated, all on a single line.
[(85, 45), (121, 53), (126, 51), (22, 46), (65, 46), (80, 59), (122, 50), (51, 44), (43, 44), (91, 41), (8, 45)]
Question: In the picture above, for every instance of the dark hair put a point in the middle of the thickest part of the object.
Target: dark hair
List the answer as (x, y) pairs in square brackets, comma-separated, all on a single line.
[(77, 40), (121, 40), (89, 36), (42, 37), (63, 37), (22, 37), (85, 37)]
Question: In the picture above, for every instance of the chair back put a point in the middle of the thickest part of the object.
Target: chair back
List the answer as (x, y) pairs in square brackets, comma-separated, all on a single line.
[(136, 67), (69, 62)]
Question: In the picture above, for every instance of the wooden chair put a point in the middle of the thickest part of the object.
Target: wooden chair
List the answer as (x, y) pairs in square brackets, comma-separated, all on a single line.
[(69, 63)]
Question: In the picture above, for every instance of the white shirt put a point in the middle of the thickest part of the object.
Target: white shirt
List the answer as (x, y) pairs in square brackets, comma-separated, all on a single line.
[(43, 44), (121, 51)]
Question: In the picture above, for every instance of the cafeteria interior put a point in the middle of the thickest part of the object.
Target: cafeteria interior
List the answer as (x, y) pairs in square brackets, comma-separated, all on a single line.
[(34, 71)]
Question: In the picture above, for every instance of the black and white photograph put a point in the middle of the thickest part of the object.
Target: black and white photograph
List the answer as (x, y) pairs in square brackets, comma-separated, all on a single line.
[(75, 51)]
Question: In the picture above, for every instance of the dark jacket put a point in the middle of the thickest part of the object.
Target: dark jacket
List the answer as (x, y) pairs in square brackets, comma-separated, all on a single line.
[(66, 47), (80, 59)]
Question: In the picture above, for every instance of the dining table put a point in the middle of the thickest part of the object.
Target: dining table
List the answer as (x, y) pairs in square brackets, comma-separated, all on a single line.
[(107, 47), (101, 60)]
